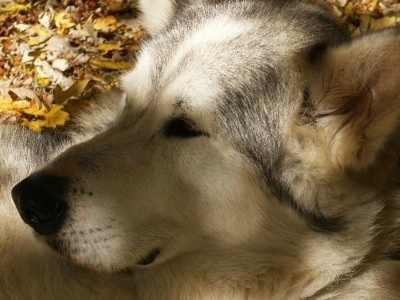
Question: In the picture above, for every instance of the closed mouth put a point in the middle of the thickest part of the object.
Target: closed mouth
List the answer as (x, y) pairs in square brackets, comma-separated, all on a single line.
[(150, 258)]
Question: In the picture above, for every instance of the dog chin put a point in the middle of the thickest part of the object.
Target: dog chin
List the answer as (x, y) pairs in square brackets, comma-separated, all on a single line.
[(64, 249), (57, 245)]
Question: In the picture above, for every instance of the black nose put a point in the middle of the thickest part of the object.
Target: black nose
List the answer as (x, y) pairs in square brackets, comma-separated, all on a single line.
[(40, 201)]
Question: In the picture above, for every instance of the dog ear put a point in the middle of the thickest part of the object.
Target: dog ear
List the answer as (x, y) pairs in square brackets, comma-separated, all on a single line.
[(155, 15), (355, 98)]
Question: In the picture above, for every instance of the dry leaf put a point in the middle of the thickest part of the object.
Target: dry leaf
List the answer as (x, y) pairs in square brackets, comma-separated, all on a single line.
[(74, 91), (14, 8), (32, 114), (107, 47), (43, 117), (45, 74), (41, 36), (109, 64), (376, 24), (63, 20), (105, 24), (44, 55)]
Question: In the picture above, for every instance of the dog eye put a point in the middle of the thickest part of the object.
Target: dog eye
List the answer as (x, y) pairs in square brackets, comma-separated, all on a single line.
[(182, 128)]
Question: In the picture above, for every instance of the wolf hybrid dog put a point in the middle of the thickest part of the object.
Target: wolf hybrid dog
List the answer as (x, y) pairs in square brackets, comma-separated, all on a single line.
[(256, 157)]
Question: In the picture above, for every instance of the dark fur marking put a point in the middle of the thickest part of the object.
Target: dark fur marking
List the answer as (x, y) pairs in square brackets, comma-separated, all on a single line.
[(316, 51), (315, 219), (256, 129), (394, 256), (182, 127), (324, 224), (307, 107)]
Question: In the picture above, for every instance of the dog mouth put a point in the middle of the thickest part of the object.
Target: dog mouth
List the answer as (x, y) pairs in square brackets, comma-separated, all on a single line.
[(63, 249), (150, 258), (143, 262)]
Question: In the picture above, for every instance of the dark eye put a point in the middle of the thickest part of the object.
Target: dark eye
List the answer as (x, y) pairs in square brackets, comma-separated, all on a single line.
[(182, 128)]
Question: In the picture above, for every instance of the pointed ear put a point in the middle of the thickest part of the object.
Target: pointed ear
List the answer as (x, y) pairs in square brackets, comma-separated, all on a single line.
[(155, 15), (355, 94)]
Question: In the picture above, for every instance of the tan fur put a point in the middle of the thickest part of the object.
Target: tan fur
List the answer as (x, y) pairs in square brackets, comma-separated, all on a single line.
[(255, 158), (29, 269)]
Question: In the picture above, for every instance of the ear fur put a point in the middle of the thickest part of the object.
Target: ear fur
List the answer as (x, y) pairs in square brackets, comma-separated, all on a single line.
[(355, 94), (156, 14)]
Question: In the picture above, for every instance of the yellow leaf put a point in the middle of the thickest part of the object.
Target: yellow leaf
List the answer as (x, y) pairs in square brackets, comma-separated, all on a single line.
[(349, 9), (63, 21), (43, 81), (33, 115), (7, 104), (42, 36), (109, 47), (105, 24), (75, 90), (384, 22), (371, 4), (41, 31), (15, 8), (43, 117), (109, 64)]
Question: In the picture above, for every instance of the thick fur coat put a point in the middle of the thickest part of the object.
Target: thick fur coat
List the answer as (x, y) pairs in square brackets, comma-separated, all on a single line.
[(251, 155)]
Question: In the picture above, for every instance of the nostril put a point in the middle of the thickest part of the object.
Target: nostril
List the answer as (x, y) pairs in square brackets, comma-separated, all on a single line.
[(30, 215), (40, 200), (41, 216)]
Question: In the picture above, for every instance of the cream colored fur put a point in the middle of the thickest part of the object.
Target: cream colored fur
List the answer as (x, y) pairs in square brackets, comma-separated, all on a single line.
[(248, 165)]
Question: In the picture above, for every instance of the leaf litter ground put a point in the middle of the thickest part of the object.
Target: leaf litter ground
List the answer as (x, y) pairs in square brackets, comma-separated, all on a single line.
[(55, 52)]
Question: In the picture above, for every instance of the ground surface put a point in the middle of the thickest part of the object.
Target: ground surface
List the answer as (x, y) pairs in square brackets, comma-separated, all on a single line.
[(55, 52)]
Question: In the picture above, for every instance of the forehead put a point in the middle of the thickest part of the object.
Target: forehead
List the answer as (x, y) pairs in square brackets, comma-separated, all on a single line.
[(209, 49), (183, 64)]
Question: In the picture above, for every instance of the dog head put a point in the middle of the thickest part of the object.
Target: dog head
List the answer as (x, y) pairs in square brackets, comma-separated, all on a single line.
[(237, 114)]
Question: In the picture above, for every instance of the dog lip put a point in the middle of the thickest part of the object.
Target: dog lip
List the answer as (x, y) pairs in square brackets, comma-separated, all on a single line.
[(57, 245), (126, 271), (150, 258)]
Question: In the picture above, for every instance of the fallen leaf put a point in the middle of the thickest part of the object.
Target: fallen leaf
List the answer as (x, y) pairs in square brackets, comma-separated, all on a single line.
[(42, 35), (15, 8), (45, 19), (21, 93), (45, 118), (32, 114), (105, 24), (74, 91), (376, 24), (63, 22), (109, 64), (60, 64), (45, 48), (46, 73), (107, 47)]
